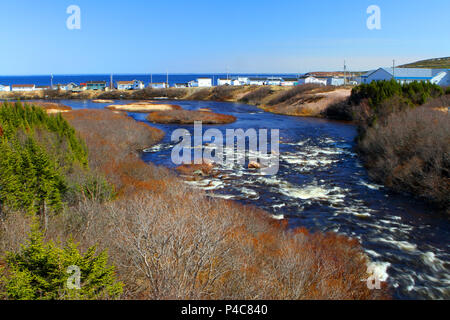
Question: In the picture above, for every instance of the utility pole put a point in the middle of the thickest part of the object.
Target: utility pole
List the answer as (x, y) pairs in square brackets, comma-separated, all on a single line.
[(111, 84), (345, 73), (393, 69), (151, 79), (51, 81), (167, 80)]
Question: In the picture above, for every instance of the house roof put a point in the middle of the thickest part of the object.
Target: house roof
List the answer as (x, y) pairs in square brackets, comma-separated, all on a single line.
[(125, 82), (23, 85), (96, 82), (409, 73)]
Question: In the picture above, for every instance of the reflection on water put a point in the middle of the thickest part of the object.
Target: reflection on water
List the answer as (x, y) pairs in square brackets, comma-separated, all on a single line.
[(322, 185)]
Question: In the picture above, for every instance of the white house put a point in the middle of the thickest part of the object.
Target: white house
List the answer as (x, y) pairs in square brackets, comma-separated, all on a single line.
[(273, 81), (255, 81), (23, 87), (224, 82), (241, 81), (193, 84), (408, 75), (204, 82), (334, 81), (41, 88), (130, 85), (159, 85), (311, 79), (5, 88), (289, 82), (181, 85), (66, 87)]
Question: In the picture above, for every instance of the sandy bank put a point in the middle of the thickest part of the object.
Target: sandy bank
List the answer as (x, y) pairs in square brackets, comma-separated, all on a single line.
[(189, 117), (143, 107)]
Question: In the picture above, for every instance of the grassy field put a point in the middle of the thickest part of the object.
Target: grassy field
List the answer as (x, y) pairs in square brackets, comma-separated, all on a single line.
[(438, 63)]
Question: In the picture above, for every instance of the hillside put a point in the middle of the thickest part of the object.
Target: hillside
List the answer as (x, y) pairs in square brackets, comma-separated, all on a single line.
[(438, 63)]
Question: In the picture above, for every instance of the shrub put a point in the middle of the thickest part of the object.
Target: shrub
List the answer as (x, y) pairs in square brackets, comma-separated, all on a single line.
[(409, 152), (41, 271)]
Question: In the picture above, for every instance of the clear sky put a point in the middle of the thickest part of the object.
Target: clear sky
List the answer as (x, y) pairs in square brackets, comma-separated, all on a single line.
[(205, 36)]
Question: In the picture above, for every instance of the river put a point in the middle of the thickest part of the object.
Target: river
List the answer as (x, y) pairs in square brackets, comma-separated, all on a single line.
[(323, 186)]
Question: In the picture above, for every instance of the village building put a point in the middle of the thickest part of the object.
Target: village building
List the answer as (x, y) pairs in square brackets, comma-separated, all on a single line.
[(23, 87), (204, 82), (289, 82), (407, 75), (130, 85), (159, 85), (335, 81), (306, 79), (224, 82), (181, 85), (5, 88), (272, 81), (42, 88), (256, 81), (96, 85)]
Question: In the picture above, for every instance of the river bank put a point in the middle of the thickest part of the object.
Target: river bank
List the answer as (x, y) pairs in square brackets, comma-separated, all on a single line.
[(306, 101), (323, 186)]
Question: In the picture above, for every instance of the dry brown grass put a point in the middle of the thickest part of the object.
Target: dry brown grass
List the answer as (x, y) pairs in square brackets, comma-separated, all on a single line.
[(169, 241), (307, 100), (189, 117)]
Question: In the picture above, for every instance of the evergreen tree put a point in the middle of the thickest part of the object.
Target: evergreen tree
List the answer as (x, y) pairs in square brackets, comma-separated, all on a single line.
[(44, 271)]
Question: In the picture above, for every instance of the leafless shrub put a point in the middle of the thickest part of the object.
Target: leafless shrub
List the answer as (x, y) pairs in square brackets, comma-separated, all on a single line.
[(410, 152)]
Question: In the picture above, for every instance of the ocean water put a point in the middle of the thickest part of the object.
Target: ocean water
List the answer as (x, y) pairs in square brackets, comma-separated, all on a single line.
[(45, 80)]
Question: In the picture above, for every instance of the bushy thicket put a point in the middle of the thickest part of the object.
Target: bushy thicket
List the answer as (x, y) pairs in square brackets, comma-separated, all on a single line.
[(403, 137), (379, 99), (411, 152)]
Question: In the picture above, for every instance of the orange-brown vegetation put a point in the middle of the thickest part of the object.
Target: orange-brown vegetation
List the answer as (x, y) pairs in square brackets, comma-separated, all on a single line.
[(189, 117), (409, 151), (168, 241)]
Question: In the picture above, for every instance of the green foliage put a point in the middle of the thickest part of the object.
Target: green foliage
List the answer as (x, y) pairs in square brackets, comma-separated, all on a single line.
[(22, 117), (39, 156), (44, 271), (377, 92), (29, 179)]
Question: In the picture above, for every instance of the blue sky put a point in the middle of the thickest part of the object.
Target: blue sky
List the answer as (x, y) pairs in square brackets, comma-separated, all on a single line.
[(202, 36)]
